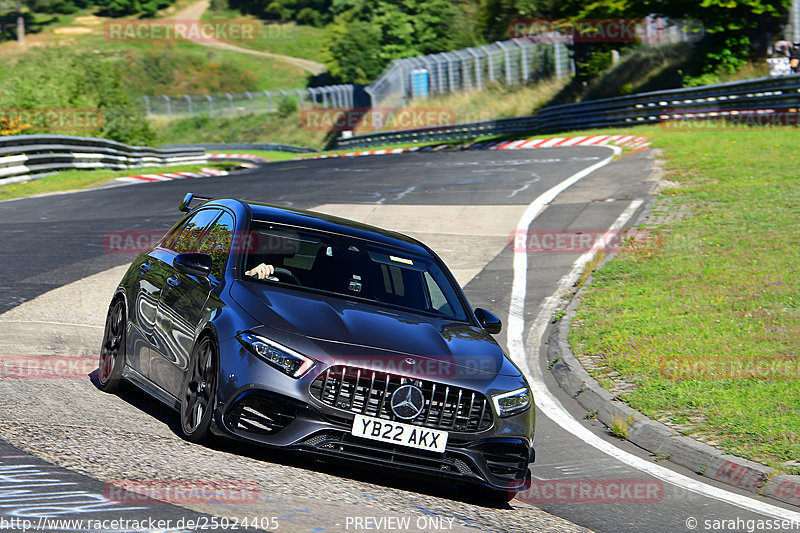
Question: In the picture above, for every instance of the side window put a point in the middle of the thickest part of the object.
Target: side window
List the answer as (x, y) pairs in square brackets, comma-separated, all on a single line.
[(188, 238), (217, 243), (437, 297)]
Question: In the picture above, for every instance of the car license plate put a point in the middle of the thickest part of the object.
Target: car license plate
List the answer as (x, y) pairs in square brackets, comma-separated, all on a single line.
[(400, 434)]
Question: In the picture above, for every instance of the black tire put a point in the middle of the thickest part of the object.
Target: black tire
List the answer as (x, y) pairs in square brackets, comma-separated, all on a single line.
[(112, 352), (199, 390)]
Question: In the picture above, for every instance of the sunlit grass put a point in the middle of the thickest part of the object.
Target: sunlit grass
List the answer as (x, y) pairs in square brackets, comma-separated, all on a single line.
[(719, 300)]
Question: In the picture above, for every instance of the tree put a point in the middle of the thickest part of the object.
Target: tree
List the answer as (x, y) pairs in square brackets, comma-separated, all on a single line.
[(353, 52), (383, 30), (18, 9)]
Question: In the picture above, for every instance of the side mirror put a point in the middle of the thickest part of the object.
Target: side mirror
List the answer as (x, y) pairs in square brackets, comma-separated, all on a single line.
[(489, 321), (193, 264)]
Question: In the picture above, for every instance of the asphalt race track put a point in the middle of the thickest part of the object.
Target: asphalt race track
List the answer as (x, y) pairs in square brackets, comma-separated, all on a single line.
[(65, 436)]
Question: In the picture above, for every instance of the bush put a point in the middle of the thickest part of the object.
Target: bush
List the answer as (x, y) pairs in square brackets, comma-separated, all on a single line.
[(60, 78), (286, 106)]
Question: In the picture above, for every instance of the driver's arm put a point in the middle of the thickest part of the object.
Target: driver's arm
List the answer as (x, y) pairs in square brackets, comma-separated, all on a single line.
[(261, 271)]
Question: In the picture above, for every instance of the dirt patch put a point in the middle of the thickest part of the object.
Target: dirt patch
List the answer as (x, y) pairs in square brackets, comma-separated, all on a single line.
[(89, 20), (72, 30)]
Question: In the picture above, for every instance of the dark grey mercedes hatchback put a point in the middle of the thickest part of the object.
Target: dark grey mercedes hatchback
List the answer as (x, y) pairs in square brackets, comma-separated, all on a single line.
[(293, 329)]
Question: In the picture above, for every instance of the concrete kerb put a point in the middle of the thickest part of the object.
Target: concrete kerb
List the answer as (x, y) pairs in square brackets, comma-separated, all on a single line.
[(660, 440)]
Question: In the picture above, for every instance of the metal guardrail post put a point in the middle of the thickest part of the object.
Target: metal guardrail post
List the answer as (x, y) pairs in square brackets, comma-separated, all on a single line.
[(270, 109), (477, 58), (230, 103), (509, 79), (147, 105), (252, 104), (523, 59), (189, 103), (439, 72), (487, 49), (210, 106), (169, 107), (450, 73), (557, 59)]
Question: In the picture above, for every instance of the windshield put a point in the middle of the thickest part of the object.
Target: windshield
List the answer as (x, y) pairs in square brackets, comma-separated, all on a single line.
[(345, 266)]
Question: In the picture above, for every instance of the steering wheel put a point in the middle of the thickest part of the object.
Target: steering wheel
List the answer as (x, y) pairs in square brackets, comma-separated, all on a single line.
[(286, 275)]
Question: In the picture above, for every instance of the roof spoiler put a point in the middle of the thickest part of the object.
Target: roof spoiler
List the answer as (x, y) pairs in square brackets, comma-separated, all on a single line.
[(185, 204)]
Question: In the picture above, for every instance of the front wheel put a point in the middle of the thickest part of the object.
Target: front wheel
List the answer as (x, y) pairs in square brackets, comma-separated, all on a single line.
[(199, 388), (112, 352)]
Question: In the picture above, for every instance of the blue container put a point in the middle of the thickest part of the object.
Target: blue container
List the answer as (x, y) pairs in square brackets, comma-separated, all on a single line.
[(419, 83)]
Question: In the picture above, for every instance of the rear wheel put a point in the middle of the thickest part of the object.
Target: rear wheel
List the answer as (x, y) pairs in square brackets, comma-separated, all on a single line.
[(199, 389), (112, 352)]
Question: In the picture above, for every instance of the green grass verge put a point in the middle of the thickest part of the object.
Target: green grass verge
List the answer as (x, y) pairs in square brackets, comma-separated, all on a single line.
[(288, 39), (73, 180), (174, 68), (707, 324)]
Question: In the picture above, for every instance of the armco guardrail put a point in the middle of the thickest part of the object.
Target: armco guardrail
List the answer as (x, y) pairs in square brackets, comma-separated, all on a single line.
[(761, 95), (24, 157), (238, 147)]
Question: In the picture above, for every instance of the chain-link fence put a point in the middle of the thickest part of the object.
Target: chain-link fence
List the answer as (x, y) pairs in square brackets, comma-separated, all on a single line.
[(254, 102), (513, 62)]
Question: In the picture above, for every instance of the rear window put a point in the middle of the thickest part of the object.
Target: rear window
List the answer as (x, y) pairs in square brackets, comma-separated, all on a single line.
[(354, 268)]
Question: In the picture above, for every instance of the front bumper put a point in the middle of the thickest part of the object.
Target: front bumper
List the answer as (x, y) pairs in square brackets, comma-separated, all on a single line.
[(274, 410)]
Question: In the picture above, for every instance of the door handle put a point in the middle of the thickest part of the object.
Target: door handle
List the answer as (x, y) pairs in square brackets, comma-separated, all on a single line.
[(144, 268), (172, 282)]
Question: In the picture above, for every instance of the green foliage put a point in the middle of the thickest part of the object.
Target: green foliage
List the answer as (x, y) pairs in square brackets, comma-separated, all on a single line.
[(171, 69), (61, 79), (391, 30), (311, 12), (122, 8), (287, 106), (353, 52)]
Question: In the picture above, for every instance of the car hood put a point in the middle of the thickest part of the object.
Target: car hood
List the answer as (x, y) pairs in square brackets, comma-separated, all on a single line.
[(362, 334)]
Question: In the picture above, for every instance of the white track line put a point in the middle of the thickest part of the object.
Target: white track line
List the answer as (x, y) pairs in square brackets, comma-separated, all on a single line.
[(549, 404)]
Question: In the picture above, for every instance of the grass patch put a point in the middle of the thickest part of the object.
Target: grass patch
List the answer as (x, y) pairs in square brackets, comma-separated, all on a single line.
[(495, 101), (707, 327), (71, 180), (619, 426), (288, 39), (172, 68), (259, 128)]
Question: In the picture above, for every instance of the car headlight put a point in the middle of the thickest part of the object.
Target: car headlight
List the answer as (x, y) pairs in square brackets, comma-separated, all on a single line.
[(511, 403), (284, 359)]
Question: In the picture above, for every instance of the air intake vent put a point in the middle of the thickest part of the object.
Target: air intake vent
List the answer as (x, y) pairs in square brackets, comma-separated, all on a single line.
[(256, 414)]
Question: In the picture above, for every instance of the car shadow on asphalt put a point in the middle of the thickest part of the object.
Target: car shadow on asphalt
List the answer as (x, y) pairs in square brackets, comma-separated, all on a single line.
[(346, 470)]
